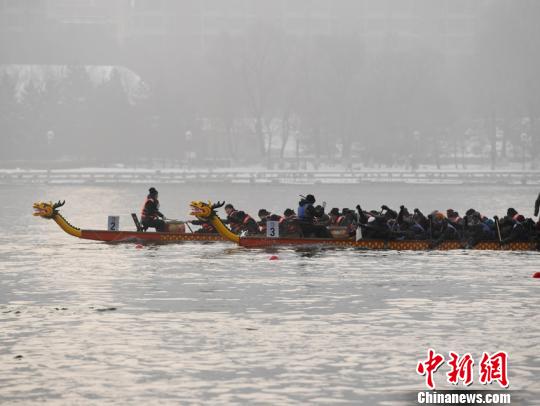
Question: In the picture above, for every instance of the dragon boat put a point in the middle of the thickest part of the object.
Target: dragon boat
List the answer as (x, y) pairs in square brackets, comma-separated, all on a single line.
[(207, 212), (49, 210)]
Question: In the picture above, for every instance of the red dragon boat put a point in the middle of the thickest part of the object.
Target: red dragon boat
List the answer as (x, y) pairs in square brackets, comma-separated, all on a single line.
[(176, 231), (207, 212)]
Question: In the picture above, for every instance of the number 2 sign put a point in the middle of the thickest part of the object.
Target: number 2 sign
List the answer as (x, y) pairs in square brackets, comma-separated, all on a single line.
[(113, 223)]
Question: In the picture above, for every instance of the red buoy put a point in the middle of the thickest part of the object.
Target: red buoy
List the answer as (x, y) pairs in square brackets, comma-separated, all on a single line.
[(273, 257), (536, 275)]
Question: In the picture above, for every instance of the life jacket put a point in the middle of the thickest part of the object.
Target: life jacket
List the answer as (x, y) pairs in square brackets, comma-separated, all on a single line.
[(208, 228), (235, 227), (334, 221), (290, 224), (144, 211), (352, 226), (302, 210)]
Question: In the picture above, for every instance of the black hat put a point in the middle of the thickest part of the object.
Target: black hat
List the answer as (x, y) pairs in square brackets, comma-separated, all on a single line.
[(153, 191), (451, 213), (229, 206), (334, 211), (263, 212), (345, 210), (511, 212), (310, 199), (470, 212), (288, 212)]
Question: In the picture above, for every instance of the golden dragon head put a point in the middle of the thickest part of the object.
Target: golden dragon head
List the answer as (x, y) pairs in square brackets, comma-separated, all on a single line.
[(47, 210), (204, 211)]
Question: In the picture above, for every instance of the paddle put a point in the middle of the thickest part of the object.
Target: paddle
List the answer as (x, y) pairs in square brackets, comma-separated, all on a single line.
[(537, 205), (496, 218)]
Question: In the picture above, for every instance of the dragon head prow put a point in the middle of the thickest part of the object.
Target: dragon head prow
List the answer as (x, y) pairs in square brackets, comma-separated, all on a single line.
[(204, 210), (47, 209)]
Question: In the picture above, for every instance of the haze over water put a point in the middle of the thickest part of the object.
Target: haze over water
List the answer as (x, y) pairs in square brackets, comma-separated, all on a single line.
[(214, 323)]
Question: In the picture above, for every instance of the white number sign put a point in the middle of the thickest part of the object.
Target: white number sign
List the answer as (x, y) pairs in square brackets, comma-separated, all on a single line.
[(113, 223), (272, 229)]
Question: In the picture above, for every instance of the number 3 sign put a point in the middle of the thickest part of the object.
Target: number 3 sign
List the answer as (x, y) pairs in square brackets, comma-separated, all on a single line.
[(272, 229)]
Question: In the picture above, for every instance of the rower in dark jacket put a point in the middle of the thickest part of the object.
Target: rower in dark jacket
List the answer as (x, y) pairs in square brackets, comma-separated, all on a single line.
[(321, 218), (306, 217), (150, 214), (240, 221), (306, 211), (518, 232), (290, 223)]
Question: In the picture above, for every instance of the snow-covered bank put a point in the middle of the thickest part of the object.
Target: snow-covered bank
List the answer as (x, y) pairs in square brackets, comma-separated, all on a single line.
[(255, 175)]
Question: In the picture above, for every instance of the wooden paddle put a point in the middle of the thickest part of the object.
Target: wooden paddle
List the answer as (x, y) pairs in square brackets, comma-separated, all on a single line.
[(496, 218)]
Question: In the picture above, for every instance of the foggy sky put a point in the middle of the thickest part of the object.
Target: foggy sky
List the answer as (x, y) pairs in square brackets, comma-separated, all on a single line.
[(403, 82)]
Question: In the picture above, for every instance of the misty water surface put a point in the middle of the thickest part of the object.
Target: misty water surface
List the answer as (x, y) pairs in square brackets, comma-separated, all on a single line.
[(88, 322)]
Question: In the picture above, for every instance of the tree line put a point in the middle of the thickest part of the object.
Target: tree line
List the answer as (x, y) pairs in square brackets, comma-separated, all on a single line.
[(265, 97)]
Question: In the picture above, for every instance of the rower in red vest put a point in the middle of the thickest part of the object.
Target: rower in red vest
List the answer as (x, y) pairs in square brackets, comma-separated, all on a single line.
[(150, 215), (265, 216), (335, 217), (240, 221)]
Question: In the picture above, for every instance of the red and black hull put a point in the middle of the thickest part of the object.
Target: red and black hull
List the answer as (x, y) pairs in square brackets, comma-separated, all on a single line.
[(411, 245), (262, 242), (155, 237)]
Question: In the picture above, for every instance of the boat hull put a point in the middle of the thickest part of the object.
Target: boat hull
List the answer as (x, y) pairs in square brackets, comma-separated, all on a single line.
[(155, 237), (407, 245)]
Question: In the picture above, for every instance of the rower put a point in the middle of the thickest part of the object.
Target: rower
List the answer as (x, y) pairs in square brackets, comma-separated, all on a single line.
[(334, 216), (321, 218), (290, 223), (265, 216), (518, 232), (240, 221), (206, 227), (150, 214), (306, 211), (306, 216), (232, 220)]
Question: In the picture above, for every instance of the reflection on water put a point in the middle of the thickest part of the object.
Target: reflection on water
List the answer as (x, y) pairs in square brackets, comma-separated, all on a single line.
[(214, 323)]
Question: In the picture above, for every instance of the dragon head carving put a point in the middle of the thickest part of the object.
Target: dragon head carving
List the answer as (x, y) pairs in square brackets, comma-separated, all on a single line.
[(203, 210), (47, 210)]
